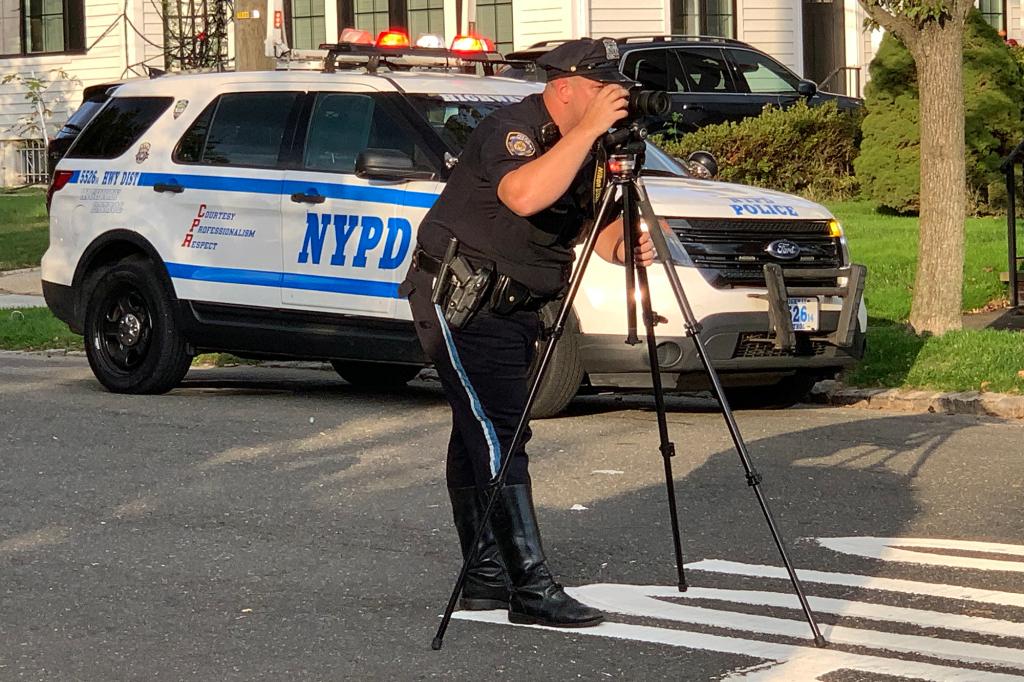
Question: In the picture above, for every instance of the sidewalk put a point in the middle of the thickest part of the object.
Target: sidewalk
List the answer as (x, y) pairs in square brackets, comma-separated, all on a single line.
[(21, 289)]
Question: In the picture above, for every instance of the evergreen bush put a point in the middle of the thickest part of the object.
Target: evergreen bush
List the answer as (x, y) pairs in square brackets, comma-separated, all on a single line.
[(888, 168), (800, 150)]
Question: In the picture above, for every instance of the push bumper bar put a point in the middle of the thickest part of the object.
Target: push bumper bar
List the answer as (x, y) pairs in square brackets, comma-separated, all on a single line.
[(782, 283)]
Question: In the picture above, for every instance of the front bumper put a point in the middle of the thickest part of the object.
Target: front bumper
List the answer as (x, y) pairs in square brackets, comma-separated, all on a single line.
[(743, 345)]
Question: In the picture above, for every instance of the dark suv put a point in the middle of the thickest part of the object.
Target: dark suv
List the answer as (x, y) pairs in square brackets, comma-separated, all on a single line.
[(710, 80)]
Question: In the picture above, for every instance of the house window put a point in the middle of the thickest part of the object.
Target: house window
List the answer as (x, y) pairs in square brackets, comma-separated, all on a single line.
[(372, 16), (41, 26), (705, 17), (994, 12), (426, 16), (308, 25), (494, 21)]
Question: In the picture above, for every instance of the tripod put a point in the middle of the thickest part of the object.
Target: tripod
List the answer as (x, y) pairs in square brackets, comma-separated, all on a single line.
[(623, 173)]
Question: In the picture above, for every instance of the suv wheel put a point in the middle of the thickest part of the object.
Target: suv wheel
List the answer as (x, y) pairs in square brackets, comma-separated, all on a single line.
[(565, 373), (132, 337), (785, 393), (375, 375)]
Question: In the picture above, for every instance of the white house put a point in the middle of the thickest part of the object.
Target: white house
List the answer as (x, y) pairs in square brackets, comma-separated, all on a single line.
[(97, 41)]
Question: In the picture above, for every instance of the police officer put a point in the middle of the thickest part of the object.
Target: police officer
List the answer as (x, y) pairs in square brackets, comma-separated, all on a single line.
[(516, 203)]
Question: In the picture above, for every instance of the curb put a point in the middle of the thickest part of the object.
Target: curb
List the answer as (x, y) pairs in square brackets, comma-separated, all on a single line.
[(20, 271), (973, 403)]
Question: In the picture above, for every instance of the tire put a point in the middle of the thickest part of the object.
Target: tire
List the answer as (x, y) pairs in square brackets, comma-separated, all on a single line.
[(132, 336), (780, 395), (565, 373), (375, 375)]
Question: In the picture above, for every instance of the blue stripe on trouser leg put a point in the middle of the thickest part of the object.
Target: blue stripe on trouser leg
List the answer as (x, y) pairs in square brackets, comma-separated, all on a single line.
[(493, 445)]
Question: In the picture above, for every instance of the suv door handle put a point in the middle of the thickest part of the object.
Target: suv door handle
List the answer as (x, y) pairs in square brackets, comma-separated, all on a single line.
[(693, 107), (168, 187), (302, 198)]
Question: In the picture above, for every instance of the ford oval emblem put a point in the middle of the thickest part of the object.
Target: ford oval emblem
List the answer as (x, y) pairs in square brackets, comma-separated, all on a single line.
[(783, 249)]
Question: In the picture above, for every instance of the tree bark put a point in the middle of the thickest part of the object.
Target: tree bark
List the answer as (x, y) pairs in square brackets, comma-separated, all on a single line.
[(938, 284)]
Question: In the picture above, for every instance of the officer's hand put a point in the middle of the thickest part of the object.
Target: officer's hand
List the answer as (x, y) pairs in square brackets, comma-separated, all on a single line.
[(607, 107), (643, 252)]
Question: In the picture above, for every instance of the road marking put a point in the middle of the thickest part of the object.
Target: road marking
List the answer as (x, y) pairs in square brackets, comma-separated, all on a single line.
[(641, 600), (786, 662), (866, 582), (888, 549), (798, 662), (852, 609)]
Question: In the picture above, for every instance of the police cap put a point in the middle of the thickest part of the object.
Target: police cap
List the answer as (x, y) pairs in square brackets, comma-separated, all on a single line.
[(593, 58)]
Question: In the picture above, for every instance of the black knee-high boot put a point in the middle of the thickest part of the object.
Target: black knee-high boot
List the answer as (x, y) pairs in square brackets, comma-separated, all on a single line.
[(536, 597), (486, 583)]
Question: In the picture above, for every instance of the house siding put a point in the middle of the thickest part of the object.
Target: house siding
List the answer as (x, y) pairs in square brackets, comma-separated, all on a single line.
[(774, 27), (644, 17), (537, 21)]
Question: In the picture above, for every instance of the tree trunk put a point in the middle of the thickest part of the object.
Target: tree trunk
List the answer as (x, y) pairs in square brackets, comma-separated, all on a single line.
[(938, 284)]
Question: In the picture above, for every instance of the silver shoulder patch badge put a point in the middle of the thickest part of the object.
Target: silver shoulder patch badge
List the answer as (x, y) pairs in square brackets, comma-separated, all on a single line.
[(519, 144)]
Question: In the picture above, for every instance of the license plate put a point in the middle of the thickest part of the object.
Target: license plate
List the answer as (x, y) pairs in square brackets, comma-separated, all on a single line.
[(804, 314)]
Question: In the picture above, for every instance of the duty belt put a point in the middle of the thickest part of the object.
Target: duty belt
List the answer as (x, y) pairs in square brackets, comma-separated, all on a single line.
[(508, 295)]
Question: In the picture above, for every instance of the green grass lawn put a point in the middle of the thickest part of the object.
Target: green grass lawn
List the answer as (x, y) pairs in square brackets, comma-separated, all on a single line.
[(35, 329), (24, 233), (960, 361)]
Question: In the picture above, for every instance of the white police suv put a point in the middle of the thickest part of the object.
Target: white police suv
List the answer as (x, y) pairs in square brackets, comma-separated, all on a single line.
[(273, 214)]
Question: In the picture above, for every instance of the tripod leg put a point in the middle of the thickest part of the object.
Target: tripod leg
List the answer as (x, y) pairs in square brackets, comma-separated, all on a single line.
[(693, 329), (524, 418), (668, 448)]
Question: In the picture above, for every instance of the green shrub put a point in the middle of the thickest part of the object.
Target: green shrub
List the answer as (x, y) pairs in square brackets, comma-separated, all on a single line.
[(888, 167), (801, 150)]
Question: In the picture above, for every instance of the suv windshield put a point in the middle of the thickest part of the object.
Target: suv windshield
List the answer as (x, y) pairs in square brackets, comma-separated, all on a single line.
[(454, 117)]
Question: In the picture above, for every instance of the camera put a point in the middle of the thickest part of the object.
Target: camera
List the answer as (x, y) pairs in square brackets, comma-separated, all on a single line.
[(648, 103)]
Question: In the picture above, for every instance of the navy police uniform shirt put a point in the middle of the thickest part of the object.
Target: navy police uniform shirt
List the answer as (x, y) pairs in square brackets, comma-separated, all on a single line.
[(536, 250)]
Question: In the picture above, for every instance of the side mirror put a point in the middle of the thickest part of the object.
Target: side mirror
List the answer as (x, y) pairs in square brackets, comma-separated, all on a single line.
[(807, 89), (388, 164), (702, 165)]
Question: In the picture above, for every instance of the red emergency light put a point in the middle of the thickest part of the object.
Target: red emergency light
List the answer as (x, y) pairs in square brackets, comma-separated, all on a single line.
[(393, 38), (470, 43)]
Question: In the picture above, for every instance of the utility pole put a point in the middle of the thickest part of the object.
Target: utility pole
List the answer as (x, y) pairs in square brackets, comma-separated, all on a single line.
[(250, 34)]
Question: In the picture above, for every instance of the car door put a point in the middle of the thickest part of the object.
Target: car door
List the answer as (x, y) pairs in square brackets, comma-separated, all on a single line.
[(762, 80), (222, 192), (710, 76), (347, 239)]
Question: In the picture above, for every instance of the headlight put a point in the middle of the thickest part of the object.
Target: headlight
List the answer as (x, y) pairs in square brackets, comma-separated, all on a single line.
[(835, 229)]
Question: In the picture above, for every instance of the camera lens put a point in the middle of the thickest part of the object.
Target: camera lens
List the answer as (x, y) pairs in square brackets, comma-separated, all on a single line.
[(649, 103)]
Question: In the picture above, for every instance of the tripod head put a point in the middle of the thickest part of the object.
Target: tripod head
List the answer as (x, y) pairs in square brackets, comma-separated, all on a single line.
[(624, 149)]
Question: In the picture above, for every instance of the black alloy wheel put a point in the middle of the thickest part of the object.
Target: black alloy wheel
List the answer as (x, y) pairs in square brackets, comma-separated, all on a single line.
[(132, 336)]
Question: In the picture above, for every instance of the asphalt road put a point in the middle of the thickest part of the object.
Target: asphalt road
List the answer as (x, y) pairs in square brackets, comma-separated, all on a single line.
[(279, 524)]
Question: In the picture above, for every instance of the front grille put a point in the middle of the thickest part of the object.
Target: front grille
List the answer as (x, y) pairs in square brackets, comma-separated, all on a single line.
[(733, 252), (758, 346)]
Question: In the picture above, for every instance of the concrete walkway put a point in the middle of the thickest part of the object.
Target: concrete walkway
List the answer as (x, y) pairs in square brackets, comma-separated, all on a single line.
[(21, 289)]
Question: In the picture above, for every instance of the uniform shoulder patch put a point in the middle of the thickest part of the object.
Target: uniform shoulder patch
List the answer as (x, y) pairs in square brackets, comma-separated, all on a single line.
[(519, 144)]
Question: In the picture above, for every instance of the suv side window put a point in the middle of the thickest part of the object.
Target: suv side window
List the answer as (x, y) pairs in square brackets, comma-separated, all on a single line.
[(344, 124), (238, 129), (655, 70), (761, 74), (705, 70), (118, 126)]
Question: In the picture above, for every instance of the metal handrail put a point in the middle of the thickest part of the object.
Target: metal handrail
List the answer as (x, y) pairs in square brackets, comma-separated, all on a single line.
[(836, 72), (1008, 166)]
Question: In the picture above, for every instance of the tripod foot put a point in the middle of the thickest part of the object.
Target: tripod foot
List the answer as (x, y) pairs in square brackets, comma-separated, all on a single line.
[(683, 587), (820, 641), (437, 642)]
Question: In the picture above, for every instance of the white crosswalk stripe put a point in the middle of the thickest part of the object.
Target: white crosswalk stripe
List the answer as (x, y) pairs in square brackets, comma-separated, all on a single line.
[(950, 656)]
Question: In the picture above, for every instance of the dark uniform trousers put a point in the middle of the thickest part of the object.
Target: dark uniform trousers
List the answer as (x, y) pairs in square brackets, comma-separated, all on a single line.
[(483, 369)]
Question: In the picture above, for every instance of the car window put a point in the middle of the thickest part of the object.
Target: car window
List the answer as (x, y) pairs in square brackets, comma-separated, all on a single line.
[(648, 67), (344, 124), (453, 120), (705, 70), (238, 129), (90, 107), (762, 74), (118, 126)]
